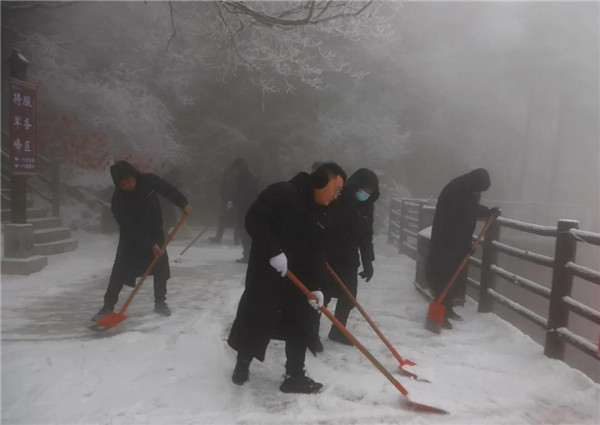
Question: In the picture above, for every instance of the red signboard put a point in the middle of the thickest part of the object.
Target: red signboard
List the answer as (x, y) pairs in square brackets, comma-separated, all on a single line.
[(22, 126)]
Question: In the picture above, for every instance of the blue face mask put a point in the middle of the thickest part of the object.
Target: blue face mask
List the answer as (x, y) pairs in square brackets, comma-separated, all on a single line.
[(362, 196)]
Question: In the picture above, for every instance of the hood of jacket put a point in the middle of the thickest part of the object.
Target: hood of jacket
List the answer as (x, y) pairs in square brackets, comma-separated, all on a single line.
[(122, 170), (362, 177)]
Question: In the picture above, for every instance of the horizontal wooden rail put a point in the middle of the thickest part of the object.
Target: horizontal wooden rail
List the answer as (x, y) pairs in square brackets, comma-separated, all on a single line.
[(409, 246), (522, 282), (474, 283), (519, 309), (411, 219), (583, 272), (475, 262), (589, 237), (542, 260), (578, 341), (582, 310), (536, 229), (411, 233)]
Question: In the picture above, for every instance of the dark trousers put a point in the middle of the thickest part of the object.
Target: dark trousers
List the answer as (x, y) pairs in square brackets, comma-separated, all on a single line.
[(295, 353), (225, 221), (244, 236), (115, 284)]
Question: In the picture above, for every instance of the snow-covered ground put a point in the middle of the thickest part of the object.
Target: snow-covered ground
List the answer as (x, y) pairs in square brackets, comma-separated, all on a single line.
[(177, 370)]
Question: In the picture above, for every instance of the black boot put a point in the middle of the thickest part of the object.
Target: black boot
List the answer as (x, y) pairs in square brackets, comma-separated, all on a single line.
[(300, 384), (241, 372), (446, 324), (337, 336), (452, 315)]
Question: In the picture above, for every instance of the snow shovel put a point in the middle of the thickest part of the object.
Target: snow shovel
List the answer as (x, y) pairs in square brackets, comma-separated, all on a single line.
[(368, 355), (113, 319), (403, 362), (178, 259), (437, 311)]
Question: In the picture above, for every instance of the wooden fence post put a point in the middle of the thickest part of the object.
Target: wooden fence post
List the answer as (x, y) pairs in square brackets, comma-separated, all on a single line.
[(488, 258), (390, 238), (562, 281), (55, 184), (402, 223)]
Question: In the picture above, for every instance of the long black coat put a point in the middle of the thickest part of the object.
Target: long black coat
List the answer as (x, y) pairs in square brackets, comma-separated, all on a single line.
[(454, 221), (244, 193), (139, 217), (284, 218), (350, 231)]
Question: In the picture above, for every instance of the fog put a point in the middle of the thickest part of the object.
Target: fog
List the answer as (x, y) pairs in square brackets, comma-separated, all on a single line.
[(419, 92)]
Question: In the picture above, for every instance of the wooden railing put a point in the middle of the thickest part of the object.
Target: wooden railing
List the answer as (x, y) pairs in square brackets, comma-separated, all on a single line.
[(403, 212)]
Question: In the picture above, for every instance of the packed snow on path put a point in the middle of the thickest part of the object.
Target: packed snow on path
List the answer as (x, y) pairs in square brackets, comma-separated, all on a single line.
[(177, 370)]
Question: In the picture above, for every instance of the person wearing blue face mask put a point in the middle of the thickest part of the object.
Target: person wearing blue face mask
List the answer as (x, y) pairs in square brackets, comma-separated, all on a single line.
[(350, 233)]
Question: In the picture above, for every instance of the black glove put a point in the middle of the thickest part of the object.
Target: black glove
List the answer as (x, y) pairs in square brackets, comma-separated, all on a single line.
[(494, 212), (367, 272)]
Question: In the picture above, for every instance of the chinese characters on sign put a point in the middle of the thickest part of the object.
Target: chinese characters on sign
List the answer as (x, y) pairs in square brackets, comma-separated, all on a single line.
[(22, 127)]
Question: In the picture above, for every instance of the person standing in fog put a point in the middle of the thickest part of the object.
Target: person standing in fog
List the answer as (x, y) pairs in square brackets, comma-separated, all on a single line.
[(287, 226), (226, 217), (454, 221), (136, 208), (350, 231), (246, 189)]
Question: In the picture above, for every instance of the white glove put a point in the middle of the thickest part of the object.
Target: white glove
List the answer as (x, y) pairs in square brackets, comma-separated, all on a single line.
[(320, 300), (279, 263), (229, 205)]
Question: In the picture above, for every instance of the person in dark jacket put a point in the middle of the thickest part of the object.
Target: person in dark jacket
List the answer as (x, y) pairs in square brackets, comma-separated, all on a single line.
[(350, 231), (287, 226), (136, 208), (245, 191), (454, 221), (226, 216)]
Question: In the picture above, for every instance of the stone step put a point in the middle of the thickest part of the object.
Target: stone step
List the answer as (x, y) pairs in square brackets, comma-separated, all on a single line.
[(31, 213), (52, 234), (24, 266), (59, 247), (45, 222)]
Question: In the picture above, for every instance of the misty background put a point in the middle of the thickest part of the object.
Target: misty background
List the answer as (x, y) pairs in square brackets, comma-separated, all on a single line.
[(420, 92)]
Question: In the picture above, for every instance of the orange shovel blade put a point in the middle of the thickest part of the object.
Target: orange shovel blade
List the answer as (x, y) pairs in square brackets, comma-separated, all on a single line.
[(435, 317), (111, 320)]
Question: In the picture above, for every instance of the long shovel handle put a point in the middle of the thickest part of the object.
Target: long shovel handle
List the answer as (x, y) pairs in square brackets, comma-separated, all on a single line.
[(348, 335), (367, 317), (151, 266), (465, 260), (372, 359), (195, 239)]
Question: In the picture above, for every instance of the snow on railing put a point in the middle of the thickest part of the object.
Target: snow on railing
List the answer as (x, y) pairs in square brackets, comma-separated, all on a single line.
[(563, 265), (532, 257), (583, 272), (522, 282), (583, 236), (519, 309), (528, 227)]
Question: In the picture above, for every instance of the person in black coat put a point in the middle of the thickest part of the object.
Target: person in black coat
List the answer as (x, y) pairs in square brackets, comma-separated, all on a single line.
[(136, 208), (226, 218), (246, 189), (350, 231), (454, 221), (287, 226)]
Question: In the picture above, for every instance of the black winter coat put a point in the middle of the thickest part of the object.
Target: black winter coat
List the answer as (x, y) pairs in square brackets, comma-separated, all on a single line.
[(285, 218), (454, 221), (245, 192), (350, 231), (139, 217)]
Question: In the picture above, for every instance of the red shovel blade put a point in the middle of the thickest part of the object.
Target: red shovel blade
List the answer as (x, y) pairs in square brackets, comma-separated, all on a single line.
[(410, 374), (435, 317), (111, 320), (426, 408)]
